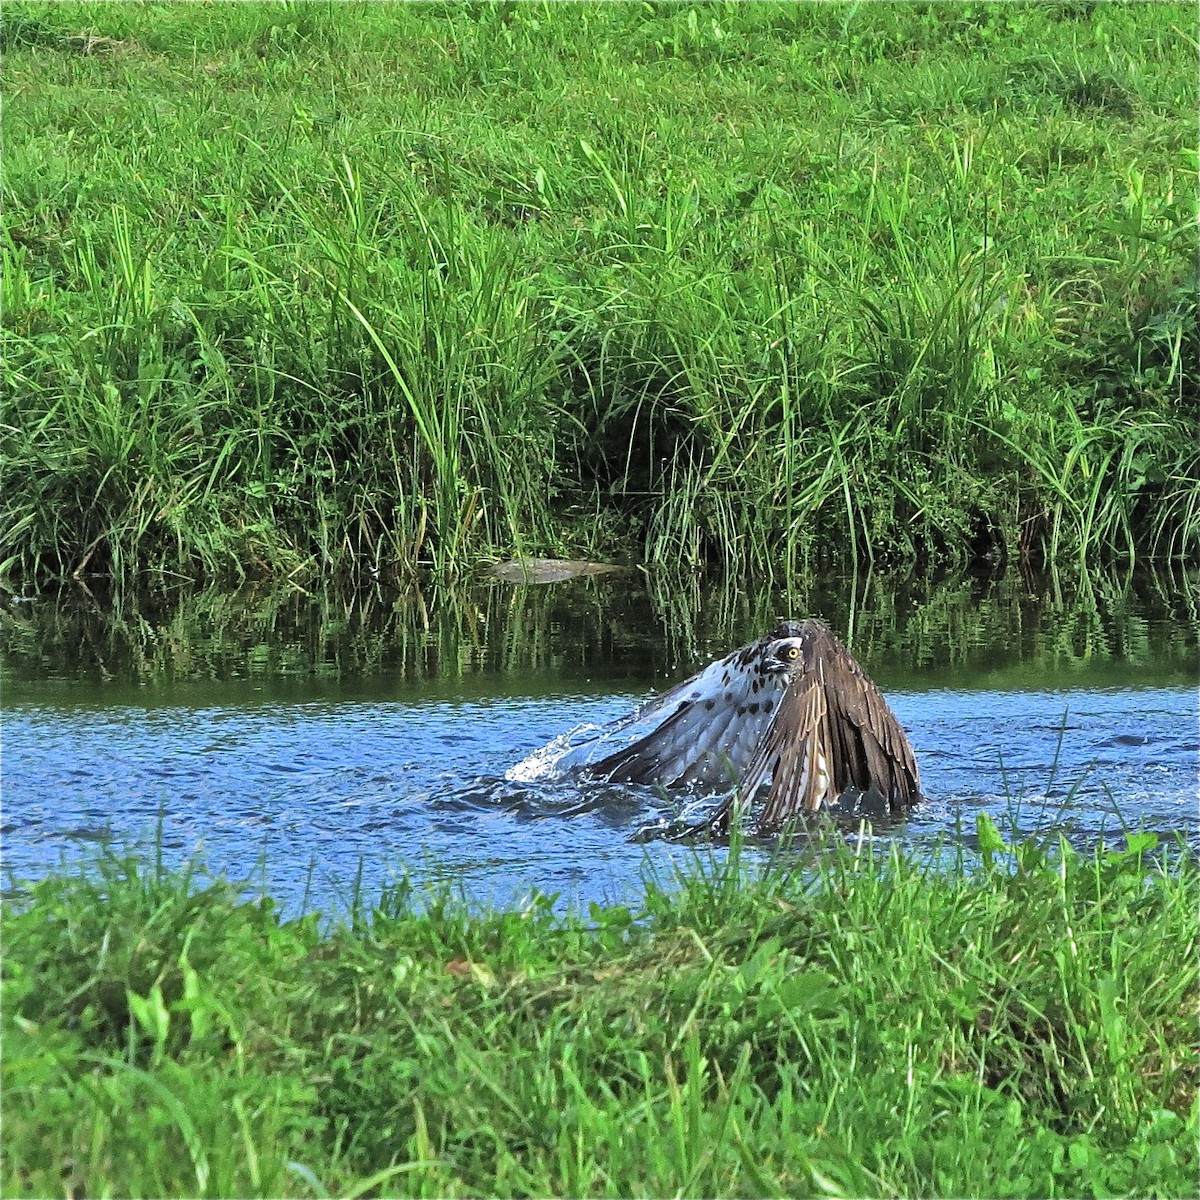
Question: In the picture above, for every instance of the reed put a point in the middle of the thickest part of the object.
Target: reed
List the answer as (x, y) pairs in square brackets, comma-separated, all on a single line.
[(367, 289)]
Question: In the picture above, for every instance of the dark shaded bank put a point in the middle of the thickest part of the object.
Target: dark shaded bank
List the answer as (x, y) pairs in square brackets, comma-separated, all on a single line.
[(367, 288), (873, 1026)]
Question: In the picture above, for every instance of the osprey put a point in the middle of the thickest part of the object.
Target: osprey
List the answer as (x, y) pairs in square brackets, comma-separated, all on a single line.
[(792, 711)]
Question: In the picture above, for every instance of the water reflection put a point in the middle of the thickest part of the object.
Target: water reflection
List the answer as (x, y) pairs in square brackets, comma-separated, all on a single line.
[(321, 731), (914, 631)]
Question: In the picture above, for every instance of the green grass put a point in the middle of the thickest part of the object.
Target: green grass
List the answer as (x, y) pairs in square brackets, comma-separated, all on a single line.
[(306, 287), (855, 1022)]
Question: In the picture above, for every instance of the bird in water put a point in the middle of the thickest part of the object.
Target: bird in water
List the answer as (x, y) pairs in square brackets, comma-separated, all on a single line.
[(792, 711)]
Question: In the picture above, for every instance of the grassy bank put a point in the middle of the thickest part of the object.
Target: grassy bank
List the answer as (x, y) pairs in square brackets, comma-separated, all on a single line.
[(337, 287), (871, 1026)]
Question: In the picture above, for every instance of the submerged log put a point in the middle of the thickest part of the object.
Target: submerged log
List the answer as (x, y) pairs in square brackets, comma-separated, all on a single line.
[(548, 570)]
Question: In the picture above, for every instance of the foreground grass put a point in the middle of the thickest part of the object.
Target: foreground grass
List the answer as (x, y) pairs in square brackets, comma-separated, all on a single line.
[(865, 1026), (300, 286)]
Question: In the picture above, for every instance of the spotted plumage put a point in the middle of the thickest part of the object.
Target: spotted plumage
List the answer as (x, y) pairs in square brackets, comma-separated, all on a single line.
[(793, 713)]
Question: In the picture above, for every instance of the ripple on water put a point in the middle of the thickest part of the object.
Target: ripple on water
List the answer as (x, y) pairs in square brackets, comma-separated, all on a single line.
[(429, 789)]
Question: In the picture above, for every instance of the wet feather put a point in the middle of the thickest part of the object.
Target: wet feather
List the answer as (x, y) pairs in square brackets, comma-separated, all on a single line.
[(793, 713)]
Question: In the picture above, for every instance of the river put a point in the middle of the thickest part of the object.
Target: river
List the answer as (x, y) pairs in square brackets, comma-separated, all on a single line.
[(323, 746)]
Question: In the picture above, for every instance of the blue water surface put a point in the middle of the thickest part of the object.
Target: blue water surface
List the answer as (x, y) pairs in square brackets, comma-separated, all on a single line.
[(316, 786)]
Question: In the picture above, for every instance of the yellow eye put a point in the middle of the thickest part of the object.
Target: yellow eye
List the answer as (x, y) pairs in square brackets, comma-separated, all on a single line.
[(793, 652)]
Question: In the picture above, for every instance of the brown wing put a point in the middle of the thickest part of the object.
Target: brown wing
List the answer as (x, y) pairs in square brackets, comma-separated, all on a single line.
[(834, 731), (795, 756)]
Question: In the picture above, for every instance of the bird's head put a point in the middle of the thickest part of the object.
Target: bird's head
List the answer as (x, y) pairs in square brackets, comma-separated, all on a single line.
[(783, 655)]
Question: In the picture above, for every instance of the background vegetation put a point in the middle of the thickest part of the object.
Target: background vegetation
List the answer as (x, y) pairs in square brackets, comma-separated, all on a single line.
[(299, 287), (863, 1025)]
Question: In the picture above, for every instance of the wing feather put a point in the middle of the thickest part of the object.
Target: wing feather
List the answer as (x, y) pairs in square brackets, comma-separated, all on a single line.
[(798, 748), (847, 739), (703, 732), (809, 732)]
